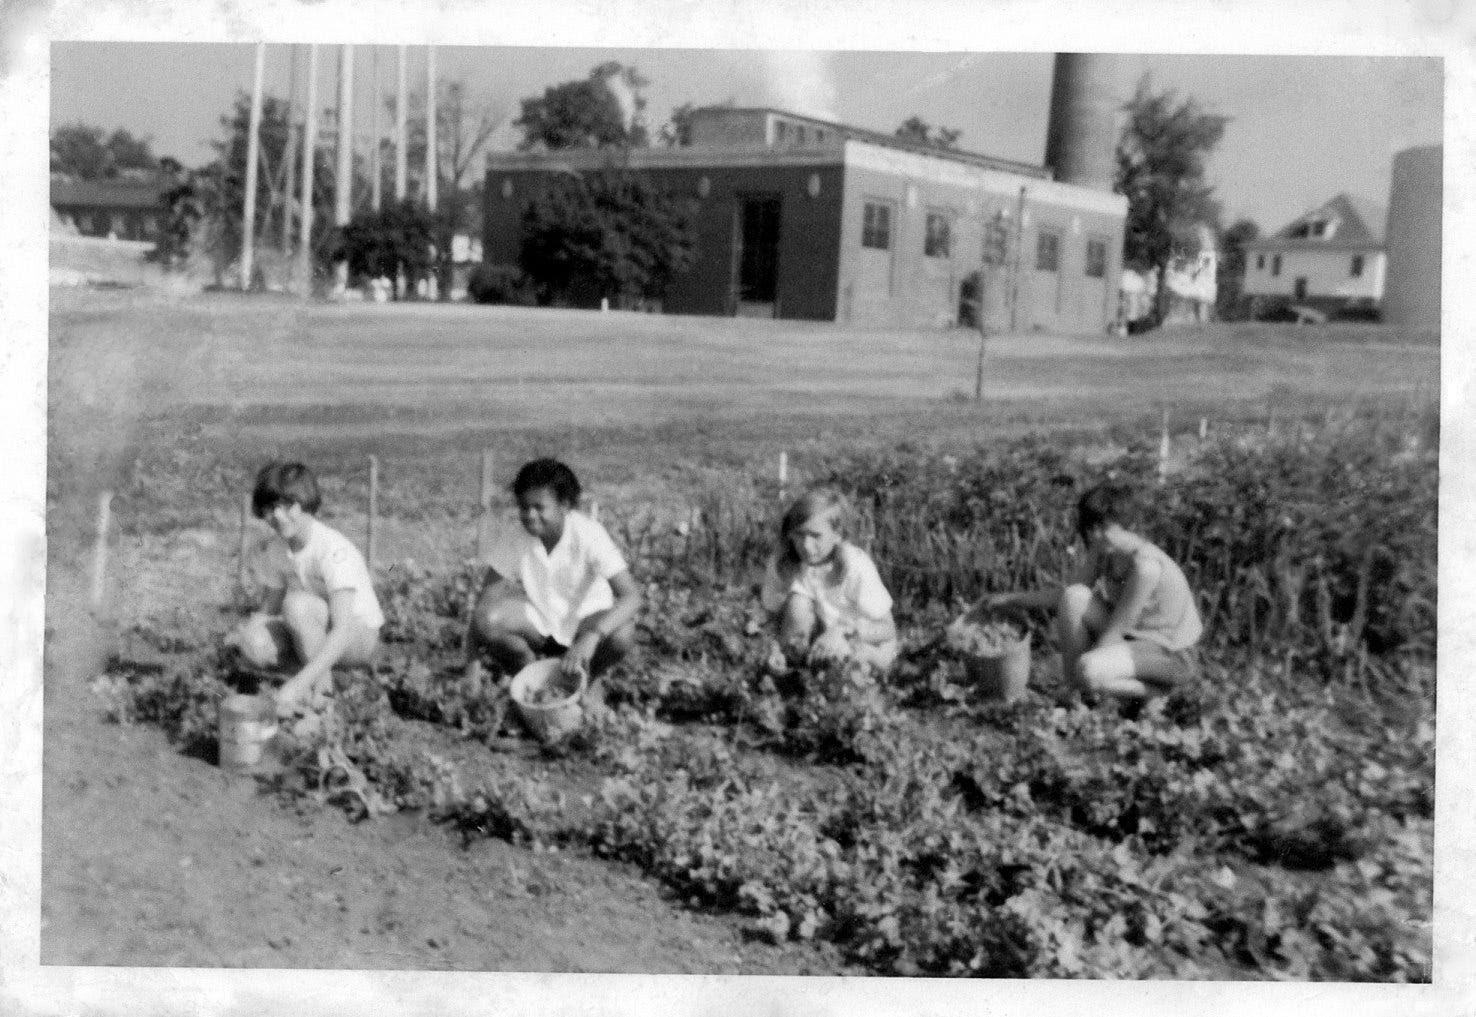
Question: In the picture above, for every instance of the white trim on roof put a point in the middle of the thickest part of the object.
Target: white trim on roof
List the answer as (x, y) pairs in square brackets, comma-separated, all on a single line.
[(947, 171), (666, 158)]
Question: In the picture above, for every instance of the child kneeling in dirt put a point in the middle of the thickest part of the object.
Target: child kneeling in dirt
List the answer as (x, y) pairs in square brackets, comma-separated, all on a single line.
[(557, 587), (831, 603), (323, 612), (1126, 617)]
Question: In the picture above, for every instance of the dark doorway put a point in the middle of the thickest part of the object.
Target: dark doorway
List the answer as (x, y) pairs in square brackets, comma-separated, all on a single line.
[(758, 256), (1300, 288)]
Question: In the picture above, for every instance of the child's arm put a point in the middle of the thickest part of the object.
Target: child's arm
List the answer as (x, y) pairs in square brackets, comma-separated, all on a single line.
[(341, 627), (1135, 593), (1083, 572), (595, 628)]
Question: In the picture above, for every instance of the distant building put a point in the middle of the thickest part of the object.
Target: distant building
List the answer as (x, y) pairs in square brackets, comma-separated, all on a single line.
[(124, 209), (804, 218), (1331, 259)]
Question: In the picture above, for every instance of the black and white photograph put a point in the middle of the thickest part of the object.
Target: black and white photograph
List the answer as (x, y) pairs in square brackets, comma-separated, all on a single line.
[(883, 524)]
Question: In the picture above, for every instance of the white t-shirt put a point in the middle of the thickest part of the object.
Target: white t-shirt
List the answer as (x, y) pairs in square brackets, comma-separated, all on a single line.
[(566, 585), (847, 594), (330, 562)]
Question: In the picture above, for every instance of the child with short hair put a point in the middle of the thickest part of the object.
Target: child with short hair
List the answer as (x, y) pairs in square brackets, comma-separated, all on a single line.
[(557, 587), (321, 613), (826, 592), (1126, 616)]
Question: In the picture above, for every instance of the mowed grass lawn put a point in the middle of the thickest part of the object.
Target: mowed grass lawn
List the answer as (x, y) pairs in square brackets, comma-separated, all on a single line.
[(287, 371)]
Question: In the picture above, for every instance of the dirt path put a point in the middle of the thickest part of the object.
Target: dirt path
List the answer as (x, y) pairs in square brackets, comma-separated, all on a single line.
[(151, 858)]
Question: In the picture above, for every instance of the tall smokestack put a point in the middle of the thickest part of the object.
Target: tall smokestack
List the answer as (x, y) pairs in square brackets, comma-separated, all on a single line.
[(1088, 91)]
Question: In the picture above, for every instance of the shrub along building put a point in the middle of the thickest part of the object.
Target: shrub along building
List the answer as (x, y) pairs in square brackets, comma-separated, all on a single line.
[(803, 218)]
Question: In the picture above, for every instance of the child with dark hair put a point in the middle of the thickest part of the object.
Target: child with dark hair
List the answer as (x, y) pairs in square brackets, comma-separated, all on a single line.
[(828, 596), (323, 611), (557, 587), (1126, 617)]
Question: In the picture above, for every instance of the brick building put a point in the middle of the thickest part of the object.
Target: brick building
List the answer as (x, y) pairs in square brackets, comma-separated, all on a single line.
[(122, 208), (803, 218)]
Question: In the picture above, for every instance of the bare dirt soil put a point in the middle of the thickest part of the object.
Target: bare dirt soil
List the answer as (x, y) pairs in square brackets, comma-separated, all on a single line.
[(155, 858)]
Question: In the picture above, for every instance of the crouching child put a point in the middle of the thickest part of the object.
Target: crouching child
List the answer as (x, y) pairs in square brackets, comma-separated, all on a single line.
[(1126, 617), (318, 614), (826, 593), (556, 587)]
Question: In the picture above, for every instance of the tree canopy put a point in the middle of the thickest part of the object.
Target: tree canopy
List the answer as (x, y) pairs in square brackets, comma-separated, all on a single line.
[(1230, 274), (918, 131), (1161, 159), (89, 152), (601, 111), (609, 234)]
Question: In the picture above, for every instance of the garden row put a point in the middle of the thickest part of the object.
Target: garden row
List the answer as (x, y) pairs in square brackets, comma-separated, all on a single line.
[(1272, 819)]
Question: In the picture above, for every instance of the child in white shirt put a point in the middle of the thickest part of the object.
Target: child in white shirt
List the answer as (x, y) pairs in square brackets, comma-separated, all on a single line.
[(321, 613), (557, 587), (830, 600)]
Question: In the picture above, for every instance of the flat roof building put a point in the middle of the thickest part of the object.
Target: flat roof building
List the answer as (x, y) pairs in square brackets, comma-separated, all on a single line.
[(797, 217)]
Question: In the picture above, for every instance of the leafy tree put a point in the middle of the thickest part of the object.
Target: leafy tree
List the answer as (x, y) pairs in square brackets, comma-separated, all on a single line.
[(606, 234), (917, 131), (397, 238), (677, 131), (1160, 169), (90, 153), (463, 128), (1230, 277), (588, 113)]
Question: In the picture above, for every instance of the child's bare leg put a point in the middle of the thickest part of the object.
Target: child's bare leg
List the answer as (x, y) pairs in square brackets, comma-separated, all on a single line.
[(797, 627), (500, 626), (612, 649), (1080, 613), (306, 618), (1109, 670)]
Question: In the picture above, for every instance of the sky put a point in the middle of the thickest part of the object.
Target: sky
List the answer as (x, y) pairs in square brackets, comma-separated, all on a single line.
[(1302, 128)]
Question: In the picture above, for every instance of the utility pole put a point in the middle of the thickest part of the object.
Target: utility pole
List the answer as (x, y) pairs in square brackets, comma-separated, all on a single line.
[(289, 158), (253, 153), (376, 169), (430, 128), (430, 151), (400, 153), (343, 186), (1019, 262), (309, 147)]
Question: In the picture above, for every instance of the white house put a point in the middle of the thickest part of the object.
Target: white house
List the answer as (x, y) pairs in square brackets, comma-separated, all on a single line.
[(1330, 259)]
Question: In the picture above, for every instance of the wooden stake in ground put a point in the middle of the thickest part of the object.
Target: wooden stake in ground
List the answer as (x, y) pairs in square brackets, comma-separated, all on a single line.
[(484, 506), (241, 545), (373, 511), (783, 472), (100, 548), (1163, 448)]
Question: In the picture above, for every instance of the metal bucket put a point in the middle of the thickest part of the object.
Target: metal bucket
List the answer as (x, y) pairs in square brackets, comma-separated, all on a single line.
[(552, 720), (1001, 676), (247, 723)]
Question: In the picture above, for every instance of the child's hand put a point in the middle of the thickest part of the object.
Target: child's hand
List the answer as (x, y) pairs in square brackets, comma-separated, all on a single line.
[(829, 645), (577, 659)]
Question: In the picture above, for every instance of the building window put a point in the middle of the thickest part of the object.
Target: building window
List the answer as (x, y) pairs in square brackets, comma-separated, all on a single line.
[(781, 130), (1096, 258), (819, 137), (937, 241), (1048, 252), (799, 134), (1260, 262), (876, 226), (1355, 268), (996, 242), (1276, 264)]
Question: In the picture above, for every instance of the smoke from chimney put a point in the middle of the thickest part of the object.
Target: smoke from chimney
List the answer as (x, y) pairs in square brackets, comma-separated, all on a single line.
[(801, 81)]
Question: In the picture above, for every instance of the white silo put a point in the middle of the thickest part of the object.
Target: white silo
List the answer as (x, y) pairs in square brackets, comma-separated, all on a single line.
[(1412, 239)]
